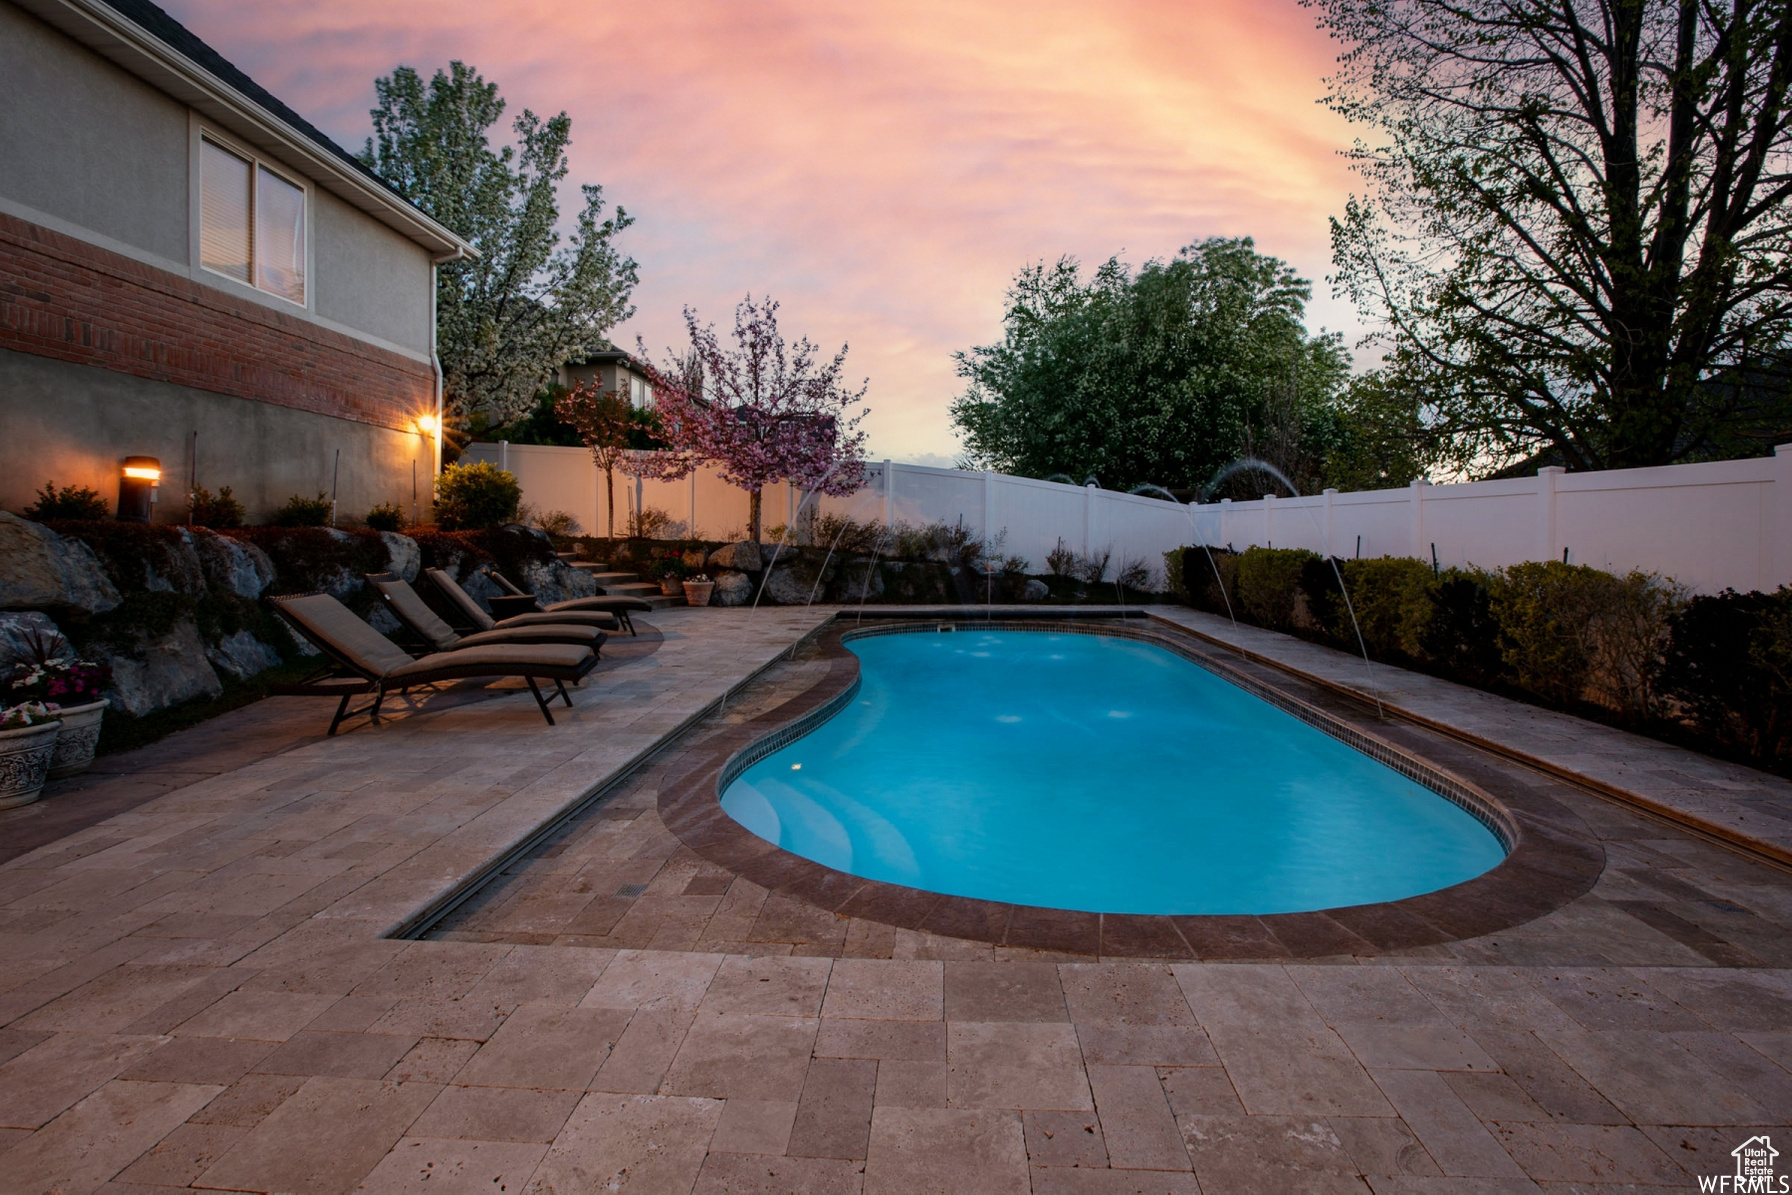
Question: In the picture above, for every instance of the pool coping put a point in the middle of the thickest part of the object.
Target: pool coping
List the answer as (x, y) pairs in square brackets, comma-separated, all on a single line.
[(1552, 857)]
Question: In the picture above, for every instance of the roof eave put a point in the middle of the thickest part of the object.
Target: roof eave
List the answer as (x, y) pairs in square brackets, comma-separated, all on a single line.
[(133, 48)]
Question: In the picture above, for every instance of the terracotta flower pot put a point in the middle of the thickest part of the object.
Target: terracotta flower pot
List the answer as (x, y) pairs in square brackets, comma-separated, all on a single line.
[(696, 593), (80, 734), (25, 753), (671, 586)]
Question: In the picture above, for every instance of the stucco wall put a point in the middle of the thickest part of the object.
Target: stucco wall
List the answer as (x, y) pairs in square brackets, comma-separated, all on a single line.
[(88, 143), (367, 276), (72, 423)]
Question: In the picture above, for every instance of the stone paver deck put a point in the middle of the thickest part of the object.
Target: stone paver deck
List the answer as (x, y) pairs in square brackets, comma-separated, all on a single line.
[(1727, 798), (196, 992)]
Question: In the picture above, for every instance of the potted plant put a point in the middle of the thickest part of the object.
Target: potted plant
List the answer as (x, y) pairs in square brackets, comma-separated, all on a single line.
[(27, 741), (70, 686), (669, 569), (697, 590)]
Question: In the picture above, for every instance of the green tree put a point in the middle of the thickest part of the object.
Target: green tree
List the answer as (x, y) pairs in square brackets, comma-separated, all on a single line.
[(506, 319), (1576, 230), (1160, 377)]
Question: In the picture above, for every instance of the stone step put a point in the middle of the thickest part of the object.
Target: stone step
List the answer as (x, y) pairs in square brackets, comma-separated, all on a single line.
[(608, 578), (632, 588)]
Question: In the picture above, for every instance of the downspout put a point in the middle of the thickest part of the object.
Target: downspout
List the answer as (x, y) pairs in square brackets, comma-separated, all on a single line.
[(435, 365)]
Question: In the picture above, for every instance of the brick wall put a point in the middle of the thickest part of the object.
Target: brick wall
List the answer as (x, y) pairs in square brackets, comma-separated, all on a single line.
[(63, 298)]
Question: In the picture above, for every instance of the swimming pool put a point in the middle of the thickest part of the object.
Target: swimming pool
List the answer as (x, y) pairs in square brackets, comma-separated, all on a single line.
[(1096, 773)]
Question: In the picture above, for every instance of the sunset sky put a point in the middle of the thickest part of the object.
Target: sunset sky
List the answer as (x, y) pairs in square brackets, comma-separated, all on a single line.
[(881, 168)]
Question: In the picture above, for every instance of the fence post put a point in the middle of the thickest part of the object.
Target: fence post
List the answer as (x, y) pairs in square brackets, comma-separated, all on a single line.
[(1417, 492), (1331, 522), (1546, 511), (1269, 516), (1088, 514), (988, 500), (889, 494), (1779, 531), (1225, 509), (503, 454)]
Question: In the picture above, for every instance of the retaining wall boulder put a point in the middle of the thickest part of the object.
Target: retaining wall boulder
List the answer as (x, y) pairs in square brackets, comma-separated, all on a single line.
[(154, 673), (40, 570)]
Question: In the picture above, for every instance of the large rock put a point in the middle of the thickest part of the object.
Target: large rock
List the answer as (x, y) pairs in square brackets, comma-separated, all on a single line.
[(26, 635), (241, 655), (732, 588), (744, 556), (384, 621), (156, 673), (173, 566), (403, 556), (785, 588), (231, 565), (860, 581), (556, 581), (40, 570), (1035, 591)]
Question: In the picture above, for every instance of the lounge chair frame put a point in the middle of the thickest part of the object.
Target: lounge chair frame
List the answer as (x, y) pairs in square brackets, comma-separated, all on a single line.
[(346, 679)]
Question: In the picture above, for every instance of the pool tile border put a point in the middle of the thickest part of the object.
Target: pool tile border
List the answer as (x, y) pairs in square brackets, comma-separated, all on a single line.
[(1552, 856)]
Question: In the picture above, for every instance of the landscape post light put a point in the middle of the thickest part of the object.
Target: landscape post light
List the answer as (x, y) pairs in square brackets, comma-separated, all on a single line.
[(137, 486)]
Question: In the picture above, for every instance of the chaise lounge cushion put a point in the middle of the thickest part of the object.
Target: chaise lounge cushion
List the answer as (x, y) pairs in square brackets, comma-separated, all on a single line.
[(495, 657), (414, 611)]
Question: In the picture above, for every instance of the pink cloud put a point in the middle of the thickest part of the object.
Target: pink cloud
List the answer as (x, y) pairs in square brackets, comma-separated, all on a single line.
[(881, 168)]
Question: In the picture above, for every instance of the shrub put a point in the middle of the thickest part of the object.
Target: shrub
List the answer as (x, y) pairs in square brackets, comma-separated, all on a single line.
[(1572, 633), (1391, 596), (1210, 575), (1268, 585), (1173, 574), (1462, 640), (472, 497), (1729, 670), (308, 558), (387, 516), (650, 522), (1093, 567), (1630, 639), (559, 523), (1545, 613), (218, 511), (851, 538), (303, 512), (1061, 560), (71, 502), (1133, 574)]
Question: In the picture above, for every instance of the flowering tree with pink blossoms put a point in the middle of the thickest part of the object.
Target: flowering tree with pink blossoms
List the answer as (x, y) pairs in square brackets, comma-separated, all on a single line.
[(759, 410)]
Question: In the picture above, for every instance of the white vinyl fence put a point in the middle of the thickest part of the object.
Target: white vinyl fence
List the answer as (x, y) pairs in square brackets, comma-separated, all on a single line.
[(1727, 524)]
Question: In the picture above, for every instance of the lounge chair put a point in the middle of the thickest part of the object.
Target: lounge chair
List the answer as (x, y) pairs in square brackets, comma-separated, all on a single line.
[(616, 608), (408, 605), (364, 661), (618, 604)]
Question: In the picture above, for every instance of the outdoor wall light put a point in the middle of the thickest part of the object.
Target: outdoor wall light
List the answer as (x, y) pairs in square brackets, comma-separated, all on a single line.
[(137, 485), (426, 424)]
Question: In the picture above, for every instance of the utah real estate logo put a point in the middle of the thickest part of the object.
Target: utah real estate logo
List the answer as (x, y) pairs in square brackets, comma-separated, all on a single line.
[(1754, 1171)]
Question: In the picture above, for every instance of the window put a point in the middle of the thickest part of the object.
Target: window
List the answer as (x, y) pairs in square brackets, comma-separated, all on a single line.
[(251, 223), (638, 393)]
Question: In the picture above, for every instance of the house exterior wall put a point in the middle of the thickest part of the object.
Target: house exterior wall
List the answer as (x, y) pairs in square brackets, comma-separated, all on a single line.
[(368, 277), (99, 275), (82, 140), (71, 423)]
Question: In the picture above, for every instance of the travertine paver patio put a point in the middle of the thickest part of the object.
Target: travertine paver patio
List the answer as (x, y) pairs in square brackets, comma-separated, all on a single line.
[(196, 992)]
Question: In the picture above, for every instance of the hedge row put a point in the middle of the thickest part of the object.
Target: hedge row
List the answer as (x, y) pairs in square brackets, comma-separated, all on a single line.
[(1713, 672)]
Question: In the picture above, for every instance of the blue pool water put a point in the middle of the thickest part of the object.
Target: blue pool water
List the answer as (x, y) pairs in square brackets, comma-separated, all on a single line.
[(1107, 775)]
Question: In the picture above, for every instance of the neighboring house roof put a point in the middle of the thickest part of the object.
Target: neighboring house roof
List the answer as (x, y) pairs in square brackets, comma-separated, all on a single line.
[(608, 356), (147, 42)]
